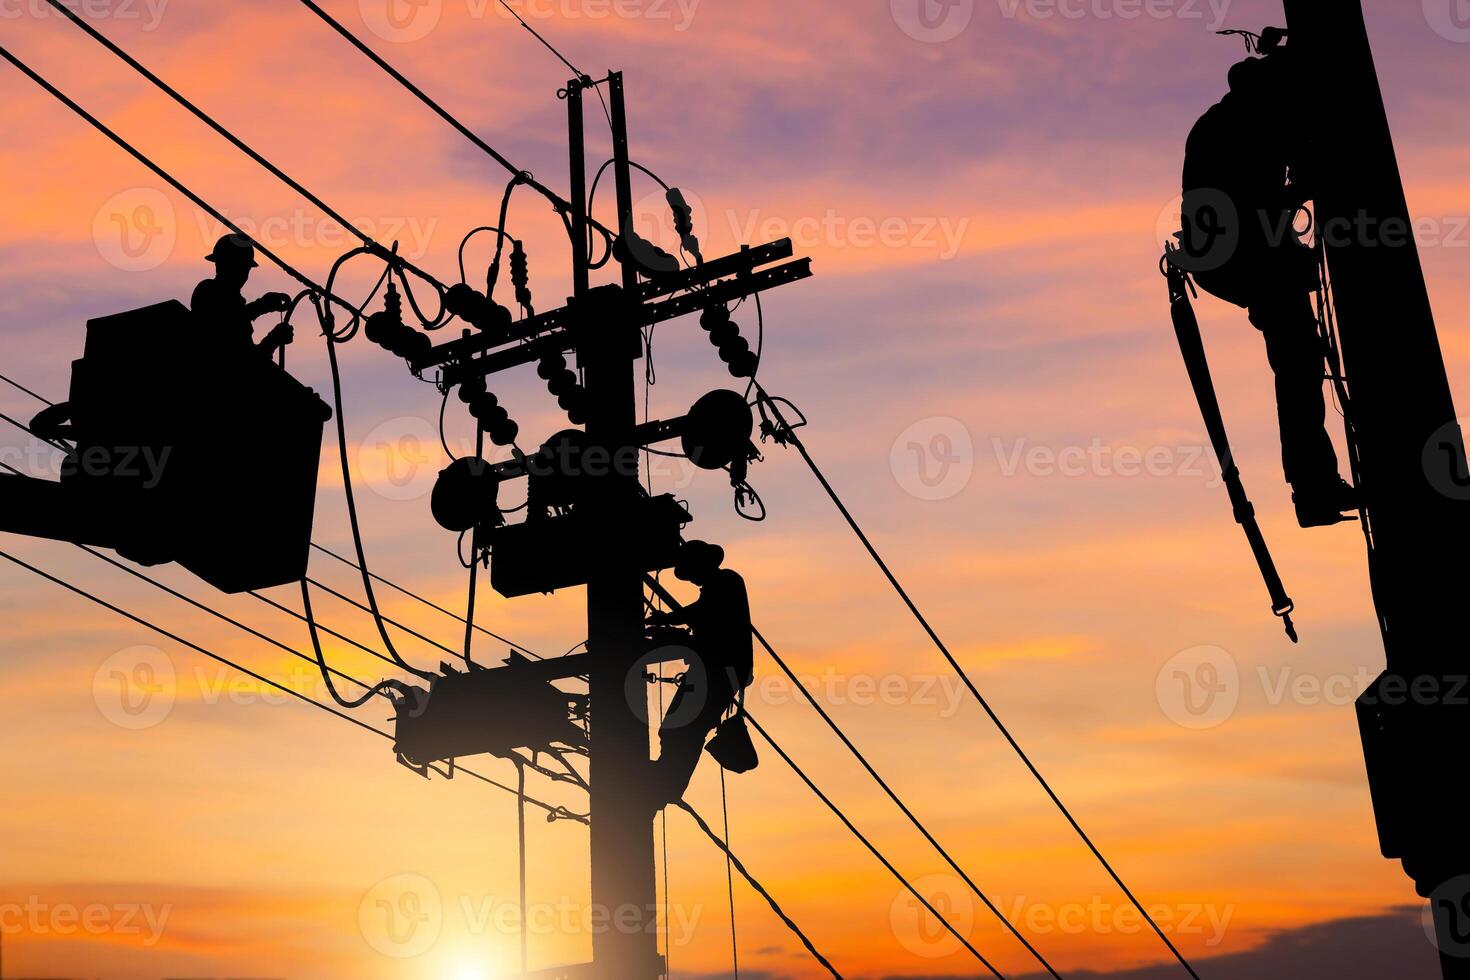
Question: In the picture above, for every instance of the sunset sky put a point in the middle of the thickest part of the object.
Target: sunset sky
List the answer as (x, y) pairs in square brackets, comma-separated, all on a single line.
[(992, 384)]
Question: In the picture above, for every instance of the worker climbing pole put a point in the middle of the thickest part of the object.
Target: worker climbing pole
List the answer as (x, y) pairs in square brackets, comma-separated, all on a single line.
[(1303, 142)]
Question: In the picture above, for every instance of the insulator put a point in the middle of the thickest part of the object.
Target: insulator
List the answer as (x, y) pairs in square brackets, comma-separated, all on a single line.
[(745, 365), (504, 434), (714, 317), (684, 222), (484, 405), (471, 389), (724, 334), (564, 382), (735, 348), (550, 366), (520, 276)]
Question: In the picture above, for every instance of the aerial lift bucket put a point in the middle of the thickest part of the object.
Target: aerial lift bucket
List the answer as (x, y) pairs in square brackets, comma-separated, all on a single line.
[(186, 451)]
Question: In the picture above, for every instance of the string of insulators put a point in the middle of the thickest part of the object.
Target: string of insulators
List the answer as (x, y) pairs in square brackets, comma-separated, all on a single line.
[(684, 222), (734, 349), (561, 381), (520, 277), (387, 329), (479, 310), (487, 410)]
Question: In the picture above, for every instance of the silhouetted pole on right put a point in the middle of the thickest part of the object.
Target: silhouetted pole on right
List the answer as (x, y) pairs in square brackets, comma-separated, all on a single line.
[(1414, 718)]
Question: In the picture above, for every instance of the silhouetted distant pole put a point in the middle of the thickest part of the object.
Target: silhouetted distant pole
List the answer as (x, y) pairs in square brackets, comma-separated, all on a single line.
[(1412, 466)]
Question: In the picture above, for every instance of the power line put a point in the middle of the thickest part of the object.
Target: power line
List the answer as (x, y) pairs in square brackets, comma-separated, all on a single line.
[(427, 602), (872, 848), (903, 807), (323, 549), (788, 435), (164, 175), (238, 143), (558, 202), (759, 888), (887, 789), (559, 812), (204, 607)]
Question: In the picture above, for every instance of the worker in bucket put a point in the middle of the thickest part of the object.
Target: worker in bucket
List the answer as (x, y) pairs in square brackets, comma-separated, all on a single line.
[(219, 302), (719, 626), (1245, 181)]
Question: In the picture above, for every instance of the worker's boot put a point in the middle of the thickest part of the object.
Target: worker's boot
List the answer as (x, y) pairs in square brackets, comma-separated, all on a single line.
[(1325, 504)]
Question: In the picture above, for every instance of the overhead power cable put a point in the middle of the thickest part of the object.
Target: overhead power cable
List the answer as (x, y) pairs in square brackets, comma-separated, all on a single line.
[(760, 889), (902, 806), (873, 849), (238, 143), (164, 175), (787, 435), (559, 812), (432, 605), (323, 549), (557, 201), (883, 785)]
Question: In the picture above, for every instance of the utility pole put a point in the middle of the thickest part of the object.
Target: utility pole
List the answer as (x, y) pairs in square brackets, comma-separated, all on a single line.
[(1411, 468), (607, 536), (624, 892)]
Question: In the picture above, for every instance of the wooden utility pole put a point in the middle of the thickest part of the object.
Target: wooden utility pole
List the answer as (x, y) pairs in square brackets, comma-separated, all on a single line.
[(624, 892), (1411, 466)]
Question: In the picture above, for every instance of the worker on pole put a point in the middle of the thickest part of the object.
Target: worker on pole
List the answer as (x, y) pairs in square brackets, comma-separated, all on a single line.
[(1243, 191), (219, 302), (719, 623)]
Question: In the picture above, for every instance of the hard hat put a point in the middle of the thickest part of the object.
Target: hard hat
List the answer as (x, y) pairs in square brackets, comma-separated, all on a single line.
[(695, 556), (233, 248)]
